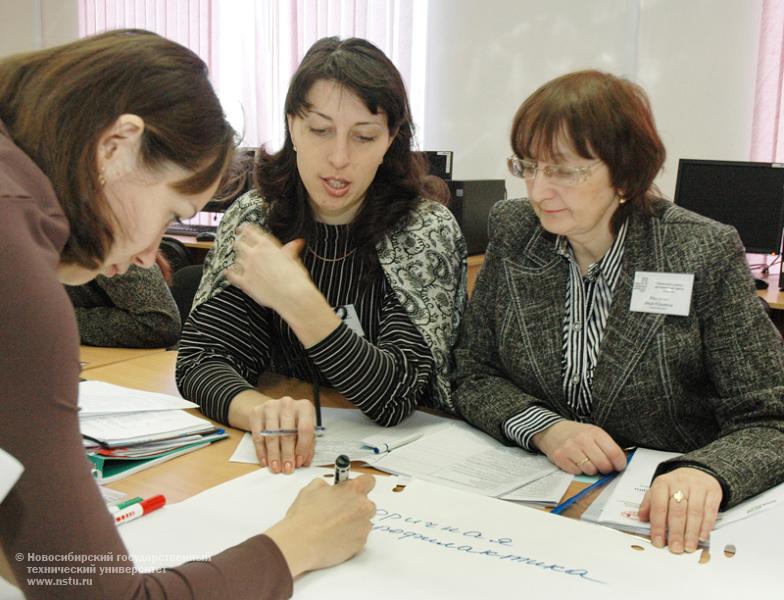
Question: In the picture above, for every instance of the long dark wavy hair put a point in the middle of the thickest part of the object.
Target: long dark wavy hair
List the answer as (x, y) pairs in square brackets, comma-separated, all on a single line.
[(361, 68)]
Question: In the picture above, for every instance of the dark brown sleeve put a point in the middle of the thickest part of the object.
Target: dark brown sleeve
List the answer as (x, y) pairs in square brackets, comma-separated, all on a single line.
[(54, 518)]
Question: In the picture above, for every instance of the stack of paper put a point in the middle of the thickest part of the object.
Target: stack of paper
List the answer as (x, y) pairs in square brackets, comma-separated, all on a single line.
[(464, 458), (545, 491), (130, 430), (618, 507)]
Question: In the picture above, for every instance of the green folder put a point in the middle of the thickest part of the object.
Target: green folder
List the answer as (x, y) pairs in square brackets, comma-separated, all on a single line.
[(109, 468)]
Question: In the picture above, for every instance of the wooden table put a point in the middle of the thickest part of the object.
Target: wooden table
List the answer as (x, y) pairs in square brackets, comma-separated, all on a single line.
[(187, 475), (93, 357)]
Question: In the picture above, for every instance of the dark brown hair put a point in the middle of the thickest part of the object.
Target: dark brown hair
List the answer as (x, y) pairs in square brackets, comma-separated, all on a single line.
[(57, 102), (602, 116), (361, 68)]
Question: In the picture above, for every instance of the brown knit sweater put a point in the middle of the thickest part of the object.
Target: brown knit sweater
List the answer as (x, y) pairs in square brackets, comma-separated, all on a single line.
[(54, 518)]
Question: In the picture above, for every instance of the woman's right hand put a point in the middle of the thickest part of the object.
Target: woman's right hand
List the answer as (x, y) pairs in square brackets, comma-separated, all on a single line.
[(580, 448), (284, 453), (326, 525)]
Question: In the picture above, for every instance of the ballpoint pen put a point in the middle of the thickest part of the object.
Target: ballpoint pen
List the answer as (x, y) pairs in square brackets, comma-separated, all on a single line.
[(273, 432), (571, 500)]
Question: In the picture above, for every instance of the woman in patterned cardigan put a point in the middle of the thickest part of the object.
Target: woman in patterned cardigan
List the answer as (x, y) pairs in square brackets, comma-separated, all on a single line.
[(336, 269)]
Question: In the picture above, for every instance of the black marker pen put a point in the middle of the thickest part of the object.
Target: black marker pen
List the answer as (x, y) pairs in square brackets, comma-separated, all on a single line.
[(342, 468)]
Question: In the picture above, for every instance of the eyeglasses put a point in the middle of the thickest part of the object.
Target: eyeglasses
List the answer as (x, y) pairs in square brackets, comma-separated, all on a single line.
[(557, 174)]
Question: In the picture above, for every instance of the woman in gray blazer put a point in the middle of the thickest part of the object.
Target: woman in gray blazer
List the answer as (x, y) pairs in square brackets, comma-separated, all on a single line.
[(606, 317)]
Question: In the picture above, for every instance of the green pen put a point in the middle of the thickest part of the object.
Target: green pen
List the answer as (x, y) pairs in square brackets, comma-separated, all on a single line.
[(124, 504)]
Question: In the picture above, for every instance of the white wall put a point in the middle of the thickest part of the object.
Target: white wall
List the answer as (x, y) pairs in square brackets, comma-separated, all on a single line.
[(698, 63), (695, 58), (33, 24)]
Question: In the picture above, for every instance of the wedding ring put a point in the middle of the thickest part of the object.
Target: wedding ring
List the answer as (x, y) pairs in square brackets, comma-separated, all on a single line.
[(583, 461), (678, 496)]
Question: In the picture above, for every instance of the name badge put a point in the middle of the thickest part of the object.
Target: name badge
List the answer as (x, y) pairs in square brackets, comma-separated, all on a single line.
[(662, 293), (348, 314)]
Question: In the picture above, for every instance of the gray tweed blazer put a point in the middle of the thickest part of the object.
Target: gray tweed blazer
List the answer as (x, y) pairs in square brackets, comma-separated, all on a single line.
[(710, 385)]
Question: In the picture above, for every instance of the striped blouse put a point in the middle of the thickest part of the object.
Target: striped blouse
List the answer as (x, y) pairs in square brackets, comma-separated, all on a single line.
[(588, 301), (229, 340)]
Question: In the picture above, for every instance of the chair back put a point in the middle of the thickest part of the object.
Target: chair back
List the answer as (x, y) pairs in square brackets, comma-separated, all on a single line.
[(176, 253), (185, 283)]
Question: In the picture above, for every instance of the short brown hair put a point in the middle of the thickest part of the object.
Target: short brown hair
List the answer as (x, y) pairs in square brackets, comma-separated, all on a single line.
[(603, 116), (56, 103)]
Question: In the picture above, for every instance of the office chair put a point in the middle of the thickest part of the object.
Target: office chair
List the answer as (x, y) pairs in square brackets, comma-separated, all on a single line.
[(176, 253), (185, 282)]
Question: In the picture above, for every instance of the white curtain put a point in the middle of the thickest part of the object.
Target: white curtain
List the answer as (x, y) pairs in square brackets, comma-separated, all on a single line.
[(258, 45), (188, 22), (767, 136), (252, 47)]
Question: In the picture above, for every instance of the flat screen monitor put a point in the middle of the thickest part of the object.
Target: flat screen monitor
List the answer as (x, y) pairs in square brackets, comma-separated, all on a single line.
[(747, 195), (440, 163)]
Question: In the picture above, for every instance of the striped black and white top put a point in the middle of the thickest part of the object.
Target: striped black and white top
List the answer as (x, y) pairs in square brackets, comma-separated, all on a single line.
[(229, 340), (588, 301)]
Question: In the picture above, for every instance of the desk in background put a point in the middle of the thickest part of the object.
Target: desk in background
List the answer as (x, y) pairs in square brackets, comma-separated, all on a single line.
[(772, 295)]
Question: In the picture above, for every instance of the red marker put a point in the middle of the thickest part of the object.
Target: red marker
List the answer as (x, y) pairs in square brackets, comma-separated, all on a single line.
[(139, 509)]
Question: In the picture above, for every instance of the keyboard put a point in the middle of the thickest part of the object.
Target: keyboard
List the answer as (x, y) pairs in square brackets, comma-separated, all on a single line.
[(191, 229)]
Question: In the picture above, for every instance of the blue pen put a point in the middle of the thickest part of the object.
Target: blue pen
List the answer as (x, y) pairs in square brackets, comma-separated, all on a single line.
[(571, 500)]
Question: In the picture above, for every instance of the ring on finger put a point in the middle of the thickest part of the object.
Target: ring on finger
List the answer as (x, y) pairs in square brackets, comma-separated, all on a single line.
[(583, 461), (679, 496)]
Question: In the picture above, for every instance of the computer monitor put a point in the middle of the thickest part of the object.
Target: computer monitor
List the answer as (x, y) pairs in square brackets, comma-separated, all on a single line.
[(440, 163), (747, 195)]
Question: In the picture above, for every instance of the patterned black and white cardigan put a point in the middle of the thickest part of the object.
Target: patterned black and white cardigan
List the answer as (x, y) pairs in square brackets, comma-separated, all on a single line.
[(423, 259)]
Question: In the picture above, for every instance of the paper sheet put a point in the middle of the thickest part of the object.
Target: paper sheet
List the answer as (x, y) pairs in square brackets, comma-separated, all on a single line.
[(101, 398), (10, 471), (432, 542), (142, 425), (547, 490), (345, 430), (623, 502), (464, 458)]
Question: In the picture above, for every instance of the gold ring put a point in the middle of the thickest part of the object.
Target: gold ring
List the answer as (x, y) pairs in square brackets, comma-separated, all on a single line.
[(678, 496), (583, 461)]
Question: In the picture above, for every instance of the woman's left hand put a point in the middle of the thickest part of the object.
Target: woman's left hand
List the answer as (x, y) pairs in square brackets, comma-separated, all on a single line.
[(266, 270), (683, 504)]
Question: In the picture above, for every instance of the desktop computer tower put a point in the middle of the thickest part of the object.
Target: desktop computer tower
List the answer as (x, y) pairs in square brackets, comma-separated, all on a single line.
[(471, 202)]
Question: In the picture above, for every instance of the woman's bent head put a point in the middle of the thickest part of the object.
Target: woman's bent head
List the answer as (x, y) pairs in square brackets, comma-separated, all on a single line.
[(124, 124)]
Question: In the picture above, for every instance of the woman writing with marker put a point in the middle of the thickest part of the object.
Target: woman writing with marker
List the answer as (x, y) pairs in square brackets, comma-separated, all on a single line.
[(339, 224), (563, 353), (102, 143)]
